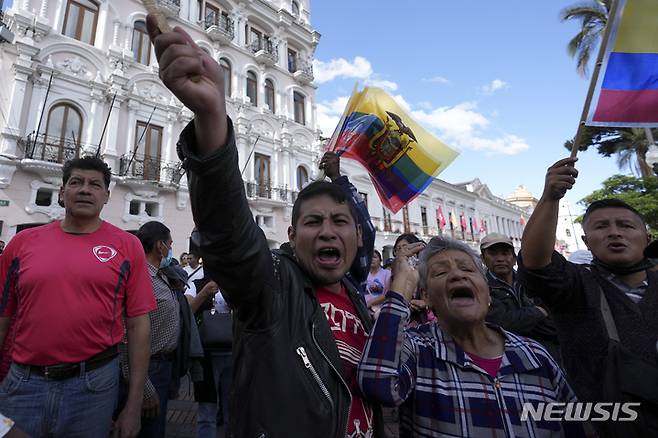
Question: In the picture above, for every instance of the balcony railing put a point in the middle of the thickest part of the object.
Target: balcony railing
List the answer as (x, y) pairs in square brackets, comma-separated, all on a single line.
[(304, 72), (170, 8), (50, 148), (220, 29), (150, 168), (267, 191), (265, 52)]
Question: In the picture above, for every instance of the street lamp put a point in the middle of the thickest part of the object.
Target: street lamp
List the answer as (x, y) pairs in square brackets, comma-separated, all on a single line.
[(651, 158)]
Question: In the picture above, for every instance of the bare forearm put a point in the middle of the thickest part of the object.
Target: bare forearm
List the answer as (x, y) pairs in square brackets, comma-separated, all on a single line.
[(539, 234), (377, 300), (139, 343), (196, 301)]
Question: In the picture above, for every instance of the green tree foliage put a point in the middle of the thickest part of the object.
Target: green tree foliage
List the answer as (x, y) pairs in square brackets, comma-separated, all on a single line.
[(640, 193)]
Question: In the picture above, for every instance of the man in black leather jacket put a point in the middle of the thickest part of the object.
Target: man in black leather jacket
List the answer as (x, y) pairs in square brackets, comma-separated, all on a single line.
[(291, 378)]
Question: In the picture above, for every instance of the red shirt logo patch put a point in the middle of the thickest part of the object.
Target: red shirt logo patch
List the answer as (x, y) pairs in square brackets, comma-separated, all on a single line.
[(104, 253)]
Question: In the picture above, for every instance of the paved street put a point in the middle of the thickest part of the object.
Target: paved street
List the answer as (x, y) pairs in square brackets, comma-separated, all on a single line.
[(181, 416)]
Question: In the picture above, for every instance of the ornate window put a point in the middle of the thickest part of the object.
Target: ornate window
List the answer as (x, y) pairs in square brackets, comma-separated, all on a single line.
[(269, 94), (299, 103), (302, 177), (62, 139), (252, 88), (80, 20), (141, 43), (262, 164), (146, 163), (292, 61), (226, 65)]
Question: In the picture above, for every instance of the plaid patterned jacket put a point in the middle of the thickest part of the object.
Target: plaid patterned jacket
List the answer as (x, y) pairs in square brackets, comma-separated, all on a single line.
[(446, 393)]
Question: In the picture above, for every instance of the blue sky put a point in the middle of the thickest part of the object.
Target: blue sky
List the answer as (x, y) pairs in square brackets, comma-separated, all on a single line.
[(492, 78)]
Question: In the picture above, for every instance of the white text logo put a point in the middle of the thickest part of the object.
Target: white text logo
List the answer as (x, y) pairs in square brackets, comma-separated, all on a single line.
[(602, 411)]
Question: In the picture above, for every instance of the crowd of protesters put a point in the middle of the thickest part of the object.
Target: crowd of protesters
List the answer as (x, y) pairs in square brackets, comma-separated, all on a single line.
[(98, 325)]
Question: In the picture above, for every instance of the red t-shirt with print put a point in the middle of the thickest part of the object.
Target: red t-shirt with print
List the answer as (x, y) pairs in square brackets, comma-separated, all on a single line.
[(350, 336), (67, 291)]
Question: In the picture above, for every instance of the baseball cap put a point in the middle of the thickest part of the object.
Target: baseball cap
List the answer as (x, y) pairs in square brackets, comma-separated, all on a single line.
[(651, 251), (494, 239)]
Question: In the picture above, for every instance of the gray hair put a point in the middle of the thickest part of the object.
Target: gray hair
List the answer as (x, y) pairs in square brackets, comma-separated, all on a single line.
[(439, 244)]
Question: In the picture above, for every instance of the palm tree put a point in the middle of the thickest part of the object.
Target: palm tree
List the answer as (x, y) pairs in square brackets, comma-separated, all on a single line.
[(628, 145), (631, 150), (593, 16)]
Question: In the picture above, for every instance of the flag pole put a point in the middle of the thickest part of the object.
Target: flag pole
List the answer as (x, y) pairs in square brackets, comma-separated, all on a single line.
[(595, 77)]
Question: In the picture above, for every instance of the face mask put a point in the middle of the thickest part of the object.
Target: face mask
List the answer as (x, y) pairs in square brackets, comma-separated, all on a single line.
[(166, 260)]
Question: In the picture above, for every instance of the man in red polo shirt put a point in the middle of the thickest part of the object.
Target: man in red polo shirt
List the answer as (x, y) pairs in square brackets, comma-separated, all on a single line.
[(67, 285)]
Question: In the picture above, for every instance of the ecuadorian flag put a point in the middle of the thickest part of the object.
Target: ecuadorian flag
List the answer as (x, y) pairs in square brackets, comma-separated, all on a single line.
[(401, 157), (627, 90)]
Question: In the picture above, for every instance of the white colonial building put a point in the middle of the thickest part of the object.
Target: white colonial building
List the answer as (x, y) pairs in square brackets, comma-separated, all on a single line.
[(80, 78)]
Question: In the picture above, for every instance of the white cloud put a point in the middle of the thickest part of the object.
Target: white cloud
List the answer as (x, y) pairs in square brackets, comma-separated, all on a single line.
[(328, 114), (437, 80), (359, 68), (381, 83), (493, 86), (464, 127)]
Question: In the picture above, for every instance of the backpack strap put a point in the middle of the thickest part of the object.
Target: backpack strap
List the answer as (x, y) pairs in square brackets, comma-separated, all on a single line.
[(609, 320)]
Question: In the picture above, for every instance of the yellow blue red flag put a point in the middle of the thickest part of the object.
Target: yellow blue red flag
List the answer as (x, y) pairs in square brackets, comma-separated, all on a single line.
[(626, 92), (401, 157)]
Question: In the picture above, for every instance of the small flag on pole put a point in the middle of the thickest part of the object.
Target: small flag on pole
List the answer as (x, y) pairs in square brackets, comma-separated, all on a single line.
[(626, 92), (440, 219), (401, 157), (453, 219)]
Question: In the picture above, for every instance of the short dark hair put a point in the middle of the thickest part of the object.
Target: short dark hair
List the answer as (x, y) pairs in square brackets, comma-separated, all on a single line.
[(319, 188), (408, 237), (610, 203), (151, 233), (379, 254), (89, 162)]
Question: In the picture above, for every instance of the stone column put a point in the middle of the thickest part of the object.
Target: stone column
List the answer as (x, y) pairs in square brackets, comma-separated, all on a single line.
[(8, 145), (127, 42), (43, 12), (133, 106), (112, 133), (116, 27), (95, 123), (169, 154), (39, 87)]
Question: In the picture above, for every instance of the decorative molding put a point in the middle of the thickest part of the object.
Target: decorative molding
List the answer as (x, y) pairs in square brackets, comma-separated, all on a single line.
[(6, 174), (182, 198), (75, 66), (53, 211)]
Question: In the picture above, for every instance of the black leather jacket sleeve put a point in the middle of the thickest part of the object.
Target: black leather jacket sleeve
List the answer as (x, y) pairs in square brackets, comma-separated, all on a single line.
[(506, 314), (234, 249)]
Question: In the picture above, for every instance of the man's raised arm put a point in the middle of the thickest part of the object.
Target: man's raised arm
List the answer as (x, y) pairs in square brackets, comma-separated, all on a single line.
[(196, 80), (539, 234), (234, 249)]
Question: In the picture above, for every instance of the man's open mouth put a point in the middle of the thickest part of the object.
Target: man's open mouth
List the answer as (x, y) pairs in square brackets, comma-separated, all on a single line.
[(328, 257)]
